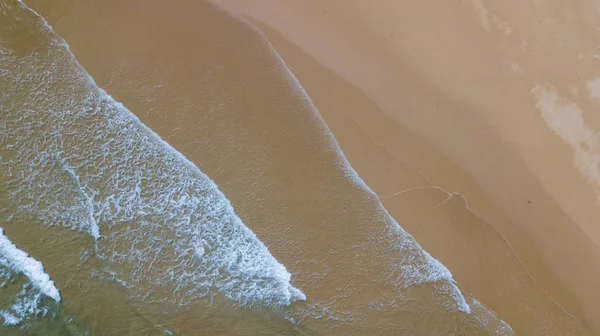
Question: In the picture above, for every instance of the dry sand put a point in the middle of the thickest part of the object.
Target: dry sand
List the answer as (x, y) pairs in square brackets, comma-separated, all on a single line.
[(423, 102), (465, 78)]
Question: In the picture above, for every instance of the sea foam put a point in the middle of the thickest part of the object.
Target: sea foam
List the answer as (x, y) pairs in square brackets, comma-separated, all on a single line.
[(80, 160), (18, 261), (23, 279)]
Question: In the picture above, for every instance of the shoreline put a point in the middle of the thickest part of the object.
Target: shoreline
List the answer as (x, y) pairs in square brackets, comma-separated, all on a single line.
[(559, 293), (183, 78)]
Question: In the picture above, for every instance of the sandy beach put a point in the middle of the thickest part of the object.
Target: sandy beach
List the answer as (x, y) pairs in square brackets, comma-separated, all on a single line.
[(472, 123), (418, 185), (465, 78)]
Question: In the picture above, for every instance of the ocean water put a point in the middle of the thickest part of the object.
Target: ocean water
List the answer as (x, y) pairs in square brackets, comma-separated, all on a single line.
[(110, 216), (74, 158), (28, 301)]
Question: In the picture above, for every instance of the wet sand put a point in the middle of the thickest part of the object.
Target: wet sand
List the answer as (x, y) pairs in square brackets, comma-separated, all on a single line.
[(284, 164), (408, 174), (458, 77)]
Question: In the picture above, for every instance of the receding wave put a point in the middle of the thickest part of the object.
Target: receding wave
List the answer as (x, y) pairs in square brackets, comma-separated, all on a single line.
[(80, 160)]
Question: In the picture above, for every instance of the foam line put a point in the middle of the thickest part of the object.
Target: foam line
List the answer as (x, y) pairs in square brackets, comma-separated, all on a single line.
[(19, 261)]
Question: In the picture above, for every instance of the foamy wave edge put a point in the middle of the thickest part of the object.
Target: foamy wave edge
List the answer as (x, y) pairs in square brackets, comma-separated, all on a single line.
[(20, 262), (42, 281), (436, 271)]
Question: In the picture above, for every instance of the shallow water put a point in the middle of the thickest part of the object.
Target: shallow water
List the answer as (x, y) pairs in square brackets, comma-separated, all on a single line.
[(138, 240)]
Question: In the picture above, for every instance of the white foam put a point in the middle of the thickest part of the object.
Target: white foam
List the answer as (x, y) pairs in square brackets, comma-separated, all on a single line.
[(26, 304), (491, 320), (18, 261), (10, 319), (84, 162)]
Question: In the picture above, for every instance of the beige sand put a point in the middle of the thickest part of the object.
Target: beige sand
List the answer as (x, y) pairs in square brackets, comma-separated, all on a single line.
[(476, 253), (468, 77), (417, 132)]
